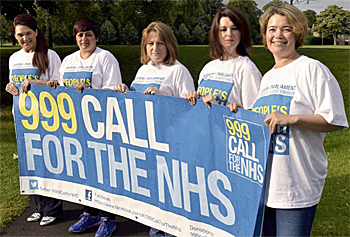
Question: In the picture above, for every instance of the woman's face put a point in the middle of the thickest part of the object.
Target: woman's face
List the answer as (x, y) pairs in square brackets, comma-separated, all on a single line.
[(229, 35), (26, 37), (86, 41), (156, 48), (280, 39)]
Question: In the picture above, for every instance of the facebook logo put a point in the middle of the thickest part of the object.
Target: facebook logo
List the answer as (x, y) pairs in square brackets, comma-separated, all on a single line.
[(88, 195), (33, 184)]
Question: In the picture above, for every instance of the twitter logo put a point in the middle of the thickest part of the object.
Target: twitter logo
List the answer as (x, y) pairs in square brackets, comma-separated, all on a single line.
[(33, 184)]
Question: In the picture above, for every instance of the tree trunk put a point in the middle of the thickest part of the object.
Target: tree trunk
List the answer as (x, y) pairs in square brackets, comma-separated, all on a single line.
[(334, 38)]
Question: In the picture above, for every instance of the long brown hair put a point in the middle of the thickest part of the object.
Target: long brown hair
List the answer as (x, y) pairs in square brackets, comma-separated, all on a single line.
[(217, 50), (40, 59)]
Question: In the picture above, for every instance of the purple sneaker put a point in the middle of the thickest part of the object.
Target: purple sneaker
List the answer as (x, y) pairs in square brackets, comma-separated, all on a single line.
[(86, 221)]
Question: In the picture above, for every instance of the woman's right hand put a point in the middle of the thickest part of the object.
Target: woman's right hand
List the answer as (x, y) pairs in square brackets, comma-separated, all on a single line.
[(11, 88), (191, 97), (121, 88), (53, 84), (80, 86)]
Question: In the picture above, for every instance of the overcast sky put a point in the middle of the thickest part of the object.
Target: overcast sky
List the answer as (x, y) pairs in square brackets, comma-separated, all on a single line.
[(316, 5)]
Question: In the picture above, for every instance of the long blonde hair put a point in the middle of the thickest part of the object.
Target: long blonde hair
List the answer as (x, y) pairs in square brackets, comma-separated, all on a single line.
[(167, 36)]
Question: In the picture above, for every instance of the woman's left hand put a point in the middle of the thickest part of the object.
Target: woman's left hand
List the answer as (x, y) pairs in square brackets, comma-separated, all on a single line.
[(25, 85), (152, 91), (80, 86), (275, 118), (208, 100)]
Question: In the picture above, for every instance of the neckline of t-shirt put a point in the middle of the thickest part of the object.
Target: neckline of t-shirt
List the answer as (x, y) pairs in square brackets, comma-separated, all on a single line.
[(289, 64), (231, 60)]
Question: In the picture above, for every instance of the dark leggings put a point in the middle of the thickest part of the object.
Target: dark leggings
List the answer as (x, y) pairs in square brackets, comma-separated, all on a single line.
[(95, 212), (48, 206)]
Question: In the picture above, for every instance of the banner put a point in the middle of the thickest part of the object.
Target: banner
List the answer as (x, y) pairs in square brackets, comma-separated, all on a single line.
[(187, 170)]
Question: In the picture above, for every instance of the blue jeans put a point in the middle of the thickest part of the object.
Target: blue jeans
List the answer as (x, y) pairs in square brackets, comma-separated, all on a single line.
[(288, 222), (158, 233)]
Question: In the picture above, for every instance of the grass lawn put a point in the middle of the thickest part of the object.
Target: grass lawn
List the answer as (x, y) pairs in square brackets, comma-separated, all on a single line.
[(333, 213)]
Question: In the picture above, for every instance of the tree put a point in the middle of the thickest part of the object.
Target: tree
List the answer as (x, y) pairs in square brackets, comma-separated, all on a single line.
[(129, 34), (108, 33), (5, 29), (333, 21), (199, 35), (184, 36), (10, 9), (252, 13), (310, 16)]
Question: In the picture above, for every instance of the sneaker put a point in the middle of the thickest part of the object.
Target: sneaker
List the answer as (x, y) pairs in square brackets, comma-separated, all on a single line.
[(47, 220), (86, 221), (106, 228), (36, 216)]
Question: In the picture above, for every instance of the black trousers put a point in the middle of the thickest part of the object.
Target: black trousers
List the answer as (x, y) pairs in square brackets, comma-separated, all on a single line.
[(95, 212), (48, 206)]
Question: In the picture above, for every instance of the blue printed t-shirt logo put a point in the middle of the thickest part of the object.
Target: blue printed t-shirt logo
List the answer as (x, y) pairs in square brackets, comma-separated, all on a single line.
[(19, 75), (276, 103), (217, 84), (33, 184), (142, 83), (88, 195), (71, 78)]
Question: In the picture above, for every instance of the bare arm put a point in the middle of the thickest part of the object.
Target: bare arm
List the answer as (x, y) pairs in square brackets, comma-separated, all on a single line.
[(313, 122)]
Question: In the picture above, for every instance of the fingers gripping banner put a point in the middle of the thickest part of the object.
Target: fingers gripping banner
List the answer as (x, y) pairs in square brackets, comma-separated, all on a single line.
[(187, 170)]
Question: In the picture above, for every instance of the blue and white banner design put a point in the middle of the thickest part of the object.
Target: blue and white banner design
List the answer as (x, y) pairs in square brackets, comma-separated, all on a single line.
[(187, 170)]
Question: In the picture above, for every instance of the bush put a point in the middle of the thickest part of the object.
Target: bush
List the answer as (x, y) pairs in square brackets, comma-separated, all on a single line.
[(318, 41)]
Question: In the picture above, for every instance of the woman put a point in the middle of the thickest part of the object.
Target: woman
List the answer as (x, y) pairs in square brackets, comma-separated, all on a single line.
[(231, 77), (161, 72), (35, 63), (95, 68), (303, 102)]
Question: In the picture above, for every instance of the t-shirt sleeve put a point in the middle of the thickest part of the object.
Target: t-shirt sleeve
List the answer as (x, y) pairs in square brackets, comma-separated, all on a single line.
[(250, 85), (54, 66), (111, 71), (185, 82), (328, 101)]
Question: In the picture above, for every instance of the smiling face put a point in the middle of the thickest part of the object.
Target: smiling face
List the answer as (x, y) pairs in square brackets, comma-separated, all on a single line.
[(86, 41), (229, 35), (26, 38), (280, 38), (156, 48)]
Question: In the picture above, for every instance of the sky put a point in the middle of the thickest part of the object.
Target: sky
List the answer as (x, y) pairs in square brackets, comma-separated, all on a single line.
[(316, 5)]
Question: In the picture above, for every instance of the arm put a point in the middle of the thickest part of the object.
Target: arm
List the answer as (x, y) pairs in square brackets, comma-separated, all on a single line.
[(313, 122), (26, 84)]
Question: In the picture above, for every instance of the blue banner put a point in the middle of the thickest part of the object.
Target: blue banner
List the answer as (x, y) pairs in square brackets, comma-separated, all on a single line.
[(187, 170)]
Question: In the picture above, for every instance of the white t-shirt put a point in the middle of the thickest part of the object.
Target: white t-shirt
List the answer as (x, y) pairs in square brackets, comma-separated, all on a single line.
[(174, 80), (99, 71), (299, 162), (231, 81), (21, 67)]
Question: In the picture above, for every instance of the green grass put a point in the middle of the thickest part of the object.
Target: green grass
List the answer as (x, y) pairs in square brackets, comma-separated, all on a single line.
[(333, 212), (12, 203)]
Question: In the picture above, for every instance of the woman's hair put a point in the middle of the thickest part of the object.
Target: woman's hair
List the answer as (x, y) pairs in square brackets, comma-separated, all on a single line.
[(86, 25), (295, 17), (40, 59), (167, 36), (217, 50)]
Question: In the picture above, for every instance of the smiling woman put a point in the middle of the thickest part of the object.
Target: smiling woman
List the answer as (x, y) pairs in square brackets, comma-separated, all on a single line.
[(35, 63)]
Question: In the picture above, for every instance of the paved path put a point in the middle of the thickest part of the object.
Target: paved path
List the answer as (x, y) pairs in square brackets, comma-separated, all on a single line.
[(71, 212)]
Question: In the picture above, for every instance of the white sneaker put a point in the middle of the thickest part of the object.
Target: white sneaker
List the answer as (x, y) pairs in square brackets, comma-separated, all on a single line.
[(47, 220), (36, 216)]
